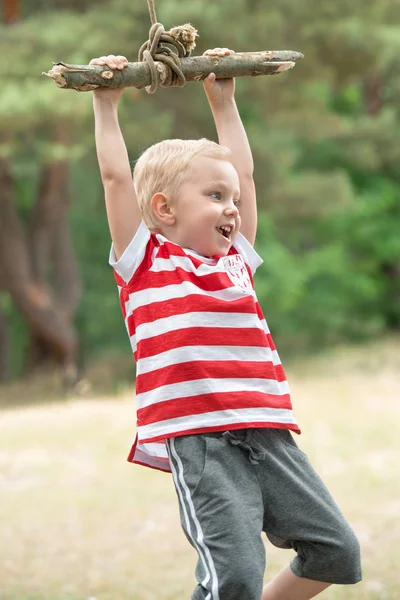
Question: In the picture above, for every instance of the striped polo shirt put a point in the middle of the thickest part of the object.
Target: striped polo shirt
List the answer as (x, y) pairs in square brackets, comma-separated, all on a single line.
[(205, 359)]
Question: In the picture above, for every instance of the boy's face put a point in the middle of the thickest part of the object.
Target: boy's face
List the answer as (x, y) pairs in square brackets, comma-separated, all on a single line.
[(206, 200)]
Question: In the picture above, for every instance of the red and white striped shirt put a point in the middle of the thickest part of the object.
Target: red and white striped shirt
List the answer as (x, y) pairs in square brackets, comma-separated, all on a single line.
[(205, 359)]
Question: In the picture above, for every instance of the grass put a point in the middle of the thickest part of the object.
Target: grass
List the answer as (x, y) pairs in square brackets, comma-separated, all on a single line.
[(77, 522)]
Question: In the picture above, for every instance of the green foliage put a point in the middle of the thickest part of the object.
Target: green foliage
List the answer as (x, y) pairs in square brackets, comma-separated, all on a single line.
[(327, 168)]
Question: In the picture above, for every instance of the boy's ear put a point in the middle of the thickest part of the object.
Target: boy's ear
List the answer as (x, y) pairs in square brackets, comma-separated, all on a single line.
[(161, 207)]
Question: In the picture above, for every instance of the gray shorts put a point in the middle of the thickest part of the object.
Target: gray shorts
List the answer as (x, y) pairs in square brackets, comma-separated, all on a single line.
[(234, 485)]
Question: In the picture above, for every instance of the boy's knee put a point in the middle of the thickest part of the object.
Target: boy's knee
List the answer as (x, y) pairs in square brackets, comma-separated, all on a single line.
[(345, 559), (336, 561), (350, 548)]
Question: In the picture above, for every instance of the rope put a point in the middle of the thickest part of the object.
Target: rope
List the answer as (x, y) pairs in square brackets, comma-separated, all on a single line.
[(152, 11), (180, 40)]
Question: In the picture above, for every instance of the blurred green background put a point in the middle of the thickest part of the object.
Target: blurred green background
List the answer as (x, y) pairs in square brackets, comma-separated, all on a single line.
[(325, 138)]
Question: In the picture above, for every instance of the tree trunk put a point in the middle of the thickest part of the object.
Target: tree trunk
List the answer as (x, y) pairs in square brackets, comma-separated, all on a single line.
[(373, 93), (65, 279), (11, 11), (32, 297), (4, 348), (46, 212), (53, 258)]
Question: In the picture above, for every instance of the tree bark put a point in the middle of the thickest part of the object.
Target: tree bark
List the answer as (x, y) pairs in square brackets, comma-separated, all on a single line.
[(84, 78)]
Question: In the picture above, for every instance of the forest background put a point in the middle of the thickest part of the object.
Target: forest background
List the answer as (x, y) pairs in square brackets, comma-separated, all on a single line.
[(325, 138)]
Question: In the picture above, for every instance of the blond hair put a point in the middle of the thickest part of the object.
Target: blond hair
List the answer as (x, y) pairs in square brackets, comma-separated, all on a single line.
[(162, 166)]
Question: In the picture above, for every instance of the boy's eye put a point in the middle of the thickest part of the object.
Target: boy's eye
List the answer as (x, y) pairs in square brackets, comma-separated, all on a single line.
[(217, 195), (236, 203)]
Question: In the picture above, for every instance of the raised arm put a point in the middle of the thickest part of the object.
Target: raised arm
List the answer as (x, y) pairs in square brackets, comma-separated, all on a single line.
[(121, 203), (232, 134)]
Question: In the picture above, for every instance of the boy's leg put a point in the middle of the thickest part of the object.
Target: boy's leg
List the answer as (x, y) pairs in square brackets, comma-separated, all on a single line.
[(288, 586), (221, 509), (301, 514)]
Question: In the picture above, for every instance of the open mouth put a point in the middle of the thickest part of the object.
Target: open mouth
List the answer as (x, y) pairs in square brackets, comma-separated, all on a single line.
[(225, 231)]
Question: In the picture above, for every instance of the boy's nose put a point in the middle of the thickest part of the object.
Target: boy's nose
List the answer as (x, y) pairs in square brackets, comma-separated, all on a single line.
[(232, 209)]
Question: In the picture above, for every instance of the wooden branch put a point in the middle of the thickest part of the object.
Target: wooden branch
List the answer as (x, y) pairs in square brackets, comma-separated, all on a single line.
[(85, 78)]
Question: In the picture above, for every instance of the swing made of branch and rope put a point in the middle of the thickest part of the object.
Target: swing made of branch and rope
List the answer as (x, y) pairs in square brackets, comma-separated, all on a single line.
[(166, 47), (165, 59)]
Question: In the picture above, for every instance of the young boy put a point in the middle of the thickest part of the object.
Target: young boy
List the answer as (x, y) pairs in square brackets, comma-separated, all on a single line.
[(213, 404)]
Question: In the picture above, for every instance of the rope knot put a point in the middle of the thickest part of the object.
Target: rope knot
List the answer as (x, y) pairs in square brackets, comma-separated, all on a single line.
[(167, 47), (185, 34)]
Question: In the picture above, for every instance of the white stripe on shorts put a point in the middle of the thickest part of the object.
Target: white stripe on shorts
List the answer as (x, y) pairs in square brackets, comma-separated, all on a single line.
[(202, 549)]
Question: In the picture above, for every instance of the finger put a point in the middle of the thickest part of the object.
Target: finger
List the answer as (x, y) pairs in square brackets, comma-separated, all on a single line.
[(110, 61), (101, 60), (209, 79), (97, 61), (213, 52), (227, 51), (120, 62)]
